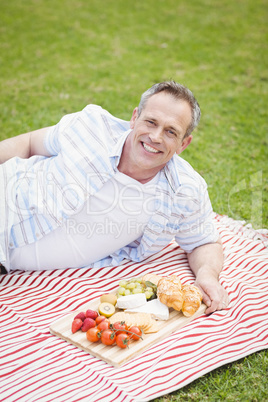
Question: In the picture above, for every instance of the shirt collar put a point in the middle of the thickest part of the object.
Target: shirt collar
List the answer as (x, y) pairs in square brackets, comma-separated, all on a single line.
[(116, 151), (172, 174)]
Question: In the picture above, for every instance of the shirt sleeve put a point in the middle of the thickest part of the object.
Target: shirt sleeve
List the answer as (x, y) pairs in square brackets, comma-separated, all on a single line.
[(197, 225), (51, 140)]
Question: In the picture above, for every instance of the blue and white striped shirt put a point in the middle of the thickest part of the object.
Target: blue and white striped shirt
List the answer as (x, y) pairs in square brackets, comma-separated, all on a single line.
[(41, 192)]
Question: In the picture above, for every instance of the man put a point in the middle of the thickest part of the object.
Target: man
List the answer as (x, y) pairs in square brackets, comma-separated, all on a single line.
[(95, 189)]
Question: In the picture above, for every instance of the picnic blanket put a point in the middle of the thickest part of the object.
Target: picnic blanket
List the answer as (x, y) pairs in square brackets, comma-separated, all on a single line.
[(38, 366)]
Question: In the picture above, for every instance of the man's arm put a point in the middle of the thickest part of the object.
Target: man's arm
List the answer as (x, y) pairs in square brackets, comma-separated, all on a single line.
[(24, 145), (206, 263)]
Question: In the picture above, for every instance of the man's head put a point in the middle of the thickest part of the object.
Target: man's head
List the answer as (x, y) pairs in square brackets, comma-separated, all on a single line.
[(161, 127), (179, 92)]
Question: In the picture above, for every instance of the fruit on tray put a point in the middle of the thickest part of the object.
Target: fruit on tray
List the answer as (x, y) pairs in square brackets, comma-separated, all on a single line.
[(136, 286), (101, 330), (106, 309), (91, 314), (88, 323), (81, 321), (109, 298), (81, 315), (76, 325)]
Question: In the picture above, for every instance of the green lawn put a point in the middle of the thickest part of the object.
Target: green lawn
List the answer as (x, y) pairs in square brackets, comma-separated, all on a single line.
[(58, 56)]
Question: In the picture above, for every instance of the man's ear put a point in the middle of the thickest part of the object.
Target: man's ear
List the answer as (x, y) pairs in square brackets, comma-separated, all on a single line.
[(187, 141), (134, 118)]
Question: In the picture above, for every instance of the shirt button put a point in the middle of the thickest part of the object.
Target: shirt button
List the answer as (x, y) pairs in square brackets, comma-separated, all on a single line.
[(37, 234), (11, 245)]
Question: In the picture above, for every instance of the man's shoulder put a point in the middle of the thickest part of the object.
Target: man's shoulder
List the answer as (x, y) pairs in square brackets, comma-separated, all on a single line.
[(184, 174), (100, 116)]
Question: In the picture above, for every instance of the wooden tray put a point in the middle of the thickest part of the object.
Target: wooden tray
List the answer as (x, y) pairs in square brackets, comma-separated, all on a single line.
[(113, 354)]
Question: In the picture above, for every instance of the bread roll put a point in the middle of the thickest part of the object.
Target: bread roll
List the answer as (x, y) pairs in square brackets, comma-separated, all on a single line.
[(169, 292), (192, 298)]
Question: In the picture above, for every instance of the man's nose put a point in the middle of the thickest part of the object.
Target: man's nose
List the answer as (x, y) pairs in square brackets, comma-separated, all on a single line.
[(156, 135)]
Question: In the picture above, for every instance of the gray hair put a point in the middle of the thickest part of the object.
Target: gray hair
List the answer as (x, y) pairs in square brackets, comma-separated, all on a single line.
[(179, 92)]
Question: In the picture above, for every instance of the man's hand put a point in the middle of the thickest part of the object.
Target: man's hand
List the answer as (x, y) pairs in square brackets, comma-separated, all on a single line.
[(206, 263), (214, 295)]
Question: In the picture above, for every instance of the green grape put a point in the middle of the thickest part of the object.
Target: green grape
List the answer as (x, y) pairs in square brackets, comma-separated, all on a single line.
[(148, 295), (137, 290), (149, 289), (130, 285), (135, 286), (121, 291)]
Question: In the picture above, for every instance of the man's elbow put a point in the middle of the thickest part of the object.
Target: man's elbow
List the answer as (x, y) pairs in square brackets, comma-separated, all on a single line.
[(37, 146)]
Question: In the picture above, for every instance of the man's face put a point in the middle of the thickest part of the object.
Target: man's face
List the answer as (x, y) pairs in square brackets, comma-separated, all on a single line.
[(157, 134)]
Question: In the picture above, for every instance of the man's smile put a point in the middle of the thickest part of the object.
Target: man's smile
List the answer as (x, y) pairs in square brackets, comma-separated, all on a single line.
[(148, 148)]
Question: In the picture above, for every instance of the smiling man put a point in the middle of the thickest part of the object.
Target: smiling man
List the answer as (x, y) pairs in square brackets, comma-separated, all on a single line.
[(158, 132), (95, 190)]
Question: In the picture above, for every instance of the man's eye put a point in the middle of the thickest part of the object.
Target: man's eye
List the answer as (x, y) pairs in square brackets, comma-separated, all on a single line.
[(150, 122), (171, 132)]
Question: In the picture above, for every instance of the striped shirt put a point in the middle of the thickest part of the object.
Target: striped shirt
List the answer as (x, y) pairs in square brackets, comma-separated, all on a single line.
[(41, 192)]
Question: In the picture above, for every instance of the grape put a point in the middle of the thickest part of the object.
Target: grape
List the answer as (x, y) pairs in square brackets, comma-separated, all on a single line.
[(137, 290), (121, 291), (135, 286), (150, 290), (148, 294), (131, 285)]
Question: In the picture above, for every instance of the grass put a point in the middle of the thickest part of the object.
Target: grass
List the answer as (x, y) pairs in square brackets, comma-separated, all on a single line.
[(245, 380), (56, 57)]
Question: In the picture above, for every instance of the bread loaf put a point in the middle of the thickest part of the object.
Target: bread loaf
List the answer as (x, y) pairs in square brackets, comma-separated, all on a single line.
[(192, 298), (186, 298), (169, 292)]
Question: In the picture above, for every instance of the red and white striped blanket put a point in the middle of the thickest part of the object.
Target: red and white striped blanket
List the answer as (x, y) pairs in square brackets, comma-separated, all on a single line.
[(37, 366)]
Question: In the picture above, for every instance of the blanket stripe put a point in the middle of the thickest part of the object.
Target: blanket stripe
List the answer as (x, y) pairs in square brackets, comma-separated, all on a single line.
[(37, 366)]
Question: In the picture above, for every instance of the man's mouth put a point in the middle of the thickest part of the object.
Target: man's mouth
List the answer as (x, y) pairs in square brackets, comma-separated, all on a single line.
[(150, 149)]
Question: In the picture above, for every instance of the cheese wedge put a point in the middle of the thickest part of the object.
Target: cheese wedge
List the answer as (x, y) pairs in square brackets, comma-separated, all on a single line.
[(154, 307), (131, 301)]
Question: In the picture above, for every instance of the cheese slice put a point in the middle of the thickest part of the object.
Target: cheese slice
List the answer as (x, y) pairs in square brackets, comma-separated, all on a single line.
[(154, 307), (131, 301)]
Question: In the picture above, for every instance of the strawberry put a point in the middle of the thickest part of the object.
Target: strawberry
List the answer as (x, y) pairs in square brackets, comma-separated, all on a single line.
[(92, 314), (88, 323), (76, 325), (81, 315)]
